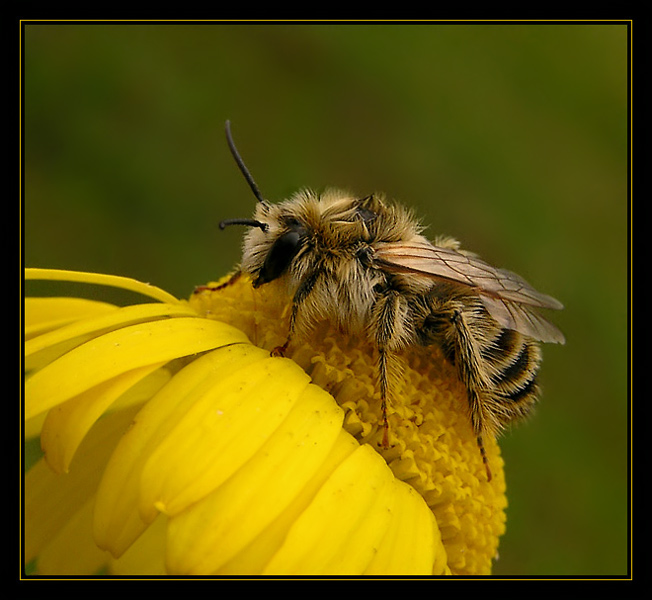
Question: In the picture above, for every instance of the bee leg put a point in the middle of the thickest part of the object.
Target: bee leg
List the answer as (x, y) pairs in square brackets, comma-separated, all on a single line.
[(300, 296), (388, 314), (280, 350), (214, 288), (384, 385), (484, 457), (469, 366)]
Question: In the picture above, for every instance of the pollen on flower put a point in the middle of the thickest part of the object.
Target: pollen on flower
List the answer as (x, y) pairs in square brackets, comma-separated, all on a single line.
[(432, 447)]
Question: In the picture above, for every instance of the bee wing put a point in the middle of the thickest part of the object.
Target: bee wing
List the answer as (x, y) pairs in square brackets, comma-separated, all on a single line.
[(518, 317), (506, 295)]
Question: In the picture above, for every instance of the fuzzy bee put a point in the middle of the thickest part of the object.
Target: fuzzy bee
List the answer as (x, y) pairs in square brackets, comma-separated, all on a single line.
[(362, 264)]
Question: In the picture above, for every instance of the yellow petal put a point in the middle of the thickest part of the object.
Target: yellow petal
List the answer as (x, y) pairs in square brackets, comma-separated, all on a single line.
[(209, 533), (32, 427), (55, 343), (118, 521), (102, 358), (340, 530), (86, 558), (412, 544), (51, 500), (125, 283), (254, 558), (146, 555), (68, 423), (45, 314), (219, 432)]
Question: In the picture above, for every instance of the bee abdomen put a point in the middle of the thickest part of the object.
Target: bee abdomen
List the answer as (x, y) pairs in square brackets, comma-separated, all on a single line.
[(513, 362)]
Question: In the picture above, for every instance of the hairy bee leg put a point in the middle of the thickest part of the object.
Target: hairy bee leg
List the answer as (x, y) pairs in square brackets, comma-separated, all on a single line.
[(483, 454), (215, 288), (389, 312), (468, 361), (384, 385), (300, 296)]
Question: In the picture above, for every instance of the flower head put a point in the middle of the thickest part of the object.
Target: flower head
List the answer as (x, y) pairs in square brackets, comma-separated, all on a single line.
[(174, 442)]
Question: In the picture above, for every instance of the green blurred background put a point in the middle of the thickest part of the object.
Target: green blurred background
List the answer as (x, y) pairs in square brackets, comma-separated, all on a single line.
[(510, 137)]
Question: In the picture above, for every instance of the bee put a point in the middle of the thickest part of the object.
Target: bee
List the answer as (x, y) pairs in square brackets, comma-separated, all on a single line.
[(363, 264)]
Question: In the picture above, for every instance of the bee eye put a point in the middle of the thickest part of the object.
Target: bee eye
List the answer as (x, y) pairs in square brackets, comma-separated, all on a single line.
[(280, 256)]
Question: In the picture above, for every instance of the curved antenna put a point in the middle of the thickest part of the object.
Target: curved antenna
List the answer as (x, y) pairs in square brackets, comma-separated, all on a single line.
[(248, 222), (241, 165)]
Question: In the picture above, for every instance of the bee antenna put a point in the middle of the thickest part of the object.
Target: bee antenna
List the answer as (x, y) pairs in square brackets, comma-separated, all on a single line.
[(238, 159), (248, 222)]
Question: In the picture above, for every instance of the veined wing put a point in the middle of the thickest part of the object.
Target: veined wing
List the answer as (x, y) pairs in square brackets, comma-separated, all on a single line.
[(506, 295)]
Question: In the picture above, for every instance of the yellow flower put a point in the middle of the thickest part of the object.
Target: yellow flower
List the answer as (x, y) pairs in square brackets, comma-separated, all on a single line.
[(174, 442)]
